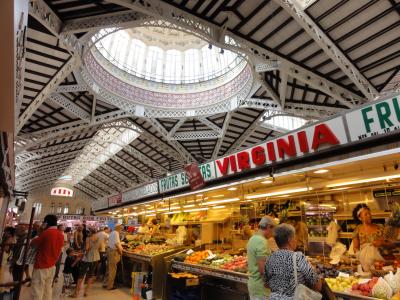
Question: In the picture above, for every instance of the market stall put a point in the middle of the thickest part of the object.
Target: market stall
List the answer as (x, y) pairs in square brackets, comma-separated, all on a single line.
[(148, 258)]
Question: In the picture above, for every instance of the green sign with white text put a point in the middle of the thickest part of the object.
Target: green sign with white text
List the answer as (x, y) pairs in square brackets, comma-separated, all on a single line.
[(378, 118), (180, 180)]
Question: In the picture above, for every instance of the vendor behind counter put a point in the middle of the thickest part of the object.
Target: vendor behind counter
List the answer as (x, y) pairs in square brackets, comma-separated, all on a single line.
[(371, 240)]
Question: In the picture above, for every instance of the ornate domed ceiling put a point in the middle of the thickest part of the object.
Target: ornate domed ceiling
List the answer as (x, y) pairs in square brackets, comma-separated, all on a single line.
[(165, 68)]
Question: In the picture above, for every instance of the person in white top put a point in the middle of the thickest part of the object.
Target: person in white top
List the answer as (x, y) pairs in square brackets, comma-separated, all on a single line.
[(103, 239), (113, 255)]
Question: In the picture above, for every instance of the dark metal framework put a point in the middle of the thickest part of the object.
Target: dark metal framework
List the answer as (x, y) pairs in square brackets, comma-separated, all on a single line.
[(367, 33)]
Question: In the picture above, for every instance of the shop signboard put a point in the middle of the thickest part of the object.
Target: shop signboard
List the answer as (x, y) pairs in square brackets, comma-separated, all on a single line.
[(115, 200), (180, 180), (196, 179), (83, 218), (296, 144), (386, 193), (378, 118), (140, 192)]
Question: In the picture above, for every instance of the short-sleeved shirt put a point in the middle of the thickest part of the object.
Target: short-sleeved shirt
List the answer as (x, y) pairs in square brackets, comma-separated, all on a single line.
[(69, 260), (365, 238), (257, 248), (279, 274)]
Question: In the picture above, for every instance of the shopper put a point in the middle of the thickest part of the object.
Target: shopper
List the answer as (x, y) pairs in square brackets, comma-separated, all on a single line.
[(70, 236), (257, 252), (48, 246), (60, 227), (279, 269), (69, 264), (89, 263), (103, 239), (17, 269), (36, 229), (113, 255), (78, 238)]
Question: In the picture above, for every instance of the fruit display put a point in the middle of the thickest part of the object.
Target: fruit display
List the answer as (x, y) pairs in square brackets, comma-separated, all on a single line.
[(131, 245), (237, 264), (341, 284), (196, 257), (326, 271), (225, 261), (151, 249), (183, 275), (364, 289)]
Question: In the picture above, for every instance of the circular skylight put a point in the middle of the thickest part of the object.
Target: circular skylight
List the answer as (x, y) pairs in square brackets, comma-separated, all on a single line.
[(166, 55)]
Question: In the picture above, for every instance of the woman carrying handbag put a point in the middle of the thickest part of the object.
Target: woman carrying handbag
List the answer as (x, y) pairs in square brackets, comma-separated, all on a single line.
[(288, 274)]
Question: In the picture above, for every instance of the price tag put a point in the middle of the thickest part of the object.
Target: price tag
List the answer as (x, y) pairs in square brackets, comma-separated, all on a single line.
[(341, 274), (190, 251)]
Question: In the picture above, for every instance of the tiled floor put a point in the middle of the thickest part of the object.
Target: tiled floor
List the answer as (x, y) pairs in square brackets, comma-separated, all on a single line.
[(96, 293)]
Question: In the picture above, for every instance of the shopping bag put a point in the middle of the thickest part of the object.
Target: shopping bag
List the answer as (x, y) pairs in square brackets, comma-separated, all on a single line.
[(302, 292)]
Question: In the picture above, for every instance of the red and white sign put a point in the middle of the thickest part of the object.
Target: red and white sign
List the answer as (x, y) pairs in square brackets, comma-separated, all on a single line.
[(296, 144), (62, 191), (115, 200), (196, 180)]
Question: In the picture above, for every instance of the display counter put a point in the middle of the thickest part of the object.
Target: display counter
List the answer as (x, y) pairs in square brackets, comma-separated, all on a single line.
[(136, 262), (209, 271), (349, 296), (229, 285)]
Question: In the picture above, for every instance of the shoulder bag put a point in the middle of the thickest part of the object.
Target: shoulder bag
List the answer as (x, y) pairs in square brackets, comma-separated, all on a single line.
[(302, 292)]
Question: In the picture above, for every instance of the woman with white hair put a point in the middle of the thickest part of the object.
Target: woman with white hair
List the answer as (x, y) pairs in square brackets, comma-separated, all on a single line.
[(279, 269)]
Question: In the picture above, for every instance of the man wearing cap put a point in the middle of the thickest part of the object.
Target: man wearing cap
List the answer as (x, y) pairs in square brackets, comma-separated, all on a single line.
[(113, 255), (257, 252)]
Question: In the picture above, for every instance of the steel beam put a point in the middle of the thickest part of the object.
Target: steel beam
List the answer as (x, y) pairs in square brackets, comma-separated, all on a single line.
[(47, 160), (142, 176), (68, 129), (50, 150), (196, 135), (221, 139), (90, 186), (59, 77), (119, 19), (99, 184), (70, 106), (143, 158), (210, 32), (270, 91), (244, 136), (175, 144), (119, 175), (87, 191), (296, 109), (283, 87), (210, 124), (39, 10), (109, 180), (175, 128), (71, 88), (41, 170), (293, 8)]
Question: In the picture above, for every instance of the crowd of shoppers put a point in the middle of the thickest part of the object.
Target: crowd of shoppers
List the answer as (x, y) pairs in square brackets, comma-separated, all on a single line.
[(84, 253)]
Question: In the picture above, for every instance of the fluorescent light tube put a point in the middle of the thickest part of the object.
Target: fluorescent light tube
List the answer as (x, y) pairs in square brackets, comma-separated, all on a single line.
[(221, 201), (299, 190), (366, 180), (196, 209)]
